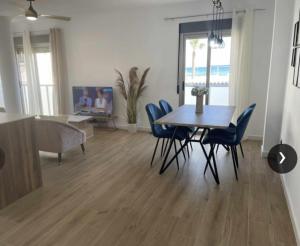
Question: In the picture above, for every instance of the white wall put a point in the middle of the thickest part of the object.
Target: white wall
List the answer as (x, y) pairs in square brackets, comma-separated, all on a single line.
[(96, 43), (278, 72), (291, 135), (260, 67), (8, 75)]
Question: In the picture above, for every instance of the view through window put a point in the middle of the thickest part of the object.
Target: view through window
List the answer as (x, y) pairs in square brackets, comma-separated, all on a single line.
[(201, 62), (44, 65)]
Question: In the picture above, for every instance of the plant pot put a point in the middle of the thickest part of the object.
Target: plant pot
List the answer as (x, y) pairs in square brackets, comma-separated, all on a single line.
[(132, 128), (199, 104)]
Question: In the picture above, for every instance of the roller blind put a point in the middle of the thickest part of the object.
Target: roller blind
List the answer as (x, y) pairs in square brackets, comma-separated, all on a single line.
[(203, 26), (39, 43)]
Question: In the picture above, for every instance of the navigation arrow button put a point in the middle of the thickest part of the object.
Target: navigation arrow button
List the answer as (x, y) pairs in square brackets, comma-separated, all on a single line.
[(282, 158)]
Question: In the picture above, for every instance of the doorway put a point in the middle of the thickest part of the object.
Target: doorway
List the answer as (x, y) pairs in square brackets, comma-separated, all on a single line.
[(201, 65)]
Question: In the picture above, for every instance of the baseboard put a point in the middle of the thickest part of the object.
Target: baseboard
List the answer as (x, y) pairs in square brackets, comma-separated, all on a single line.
[(140, 128), (291, 210), (144, 129), (264, 154), (255, 138)]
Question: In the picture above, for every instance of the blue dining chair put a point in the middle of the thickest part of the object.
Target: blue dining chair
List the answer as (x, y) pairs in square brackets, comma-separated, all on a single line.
[(228, 137), (154, 113), (232, 128), (166, 108)]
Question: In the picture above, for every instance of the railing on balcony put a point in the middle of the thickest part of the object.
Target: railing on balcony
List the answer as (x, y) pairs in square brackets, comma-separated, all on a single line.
[(218, 86), (218, 93), (46, 97)]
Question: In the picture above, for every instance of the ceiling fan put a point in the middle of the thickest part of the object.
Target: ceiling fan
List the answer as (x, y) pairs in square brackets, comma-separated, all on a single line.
[(32, 15)]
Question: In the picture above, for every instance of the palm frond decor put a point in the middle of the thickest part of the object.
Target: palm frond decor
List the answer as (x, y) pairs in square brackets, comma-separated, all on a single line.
[(132, 90)]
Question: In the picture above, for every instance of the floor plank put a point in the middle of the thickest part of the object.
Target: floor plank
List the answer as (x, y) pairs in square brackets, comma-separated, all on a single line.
[(111, 196)]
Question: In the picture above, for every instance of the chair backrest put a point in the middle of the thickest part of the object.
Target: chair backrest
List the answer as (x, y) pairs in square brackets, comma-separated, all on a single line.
[(165, 107), (57, 137), (154, 113), (251, 106), (243, 122)]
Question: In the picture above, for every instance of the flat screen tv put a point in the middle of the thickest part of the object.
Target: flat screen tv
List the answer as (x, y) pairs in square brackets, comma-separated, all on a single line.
[(93, 100)]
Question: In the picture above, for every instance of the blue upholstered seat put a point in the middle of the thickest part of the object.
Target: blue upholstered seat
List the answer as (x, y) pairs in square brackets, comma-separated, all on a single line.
[(233, 134), (154, 113), (166, 108), (230, 137), (221, 136)]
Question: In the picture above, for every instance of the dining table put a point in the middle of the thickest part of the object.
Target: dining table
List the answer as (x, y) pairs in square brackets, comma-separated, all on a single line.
[(212, 117)]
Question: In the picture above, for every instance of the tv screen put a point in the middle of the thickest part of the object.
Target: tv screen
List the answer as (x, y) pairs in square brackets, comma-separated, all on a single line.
[(93, 100)]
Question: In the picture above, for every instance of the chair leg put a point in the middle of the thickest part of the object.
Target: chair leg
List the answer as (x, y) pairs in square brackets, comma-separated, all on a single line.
[(166, 146), (176, 155), (234, 164), (218, 146), (154, 151), (191, 146), (215, 164), (226, 147), (162, 147), (236, 157), (241, 147), (188, 150), (182, 150), (82, 148), (205, 169), (59, 157)]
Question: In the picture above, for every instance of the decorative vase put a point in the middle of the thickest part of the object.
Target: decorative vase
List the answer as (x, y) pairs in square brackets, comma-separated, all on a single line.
[(199, 104), (132, 128)]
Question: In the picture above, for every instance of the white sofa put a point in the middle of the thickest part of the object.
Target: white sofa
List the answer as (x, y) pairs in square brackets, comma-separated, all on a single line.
[(58, 137)]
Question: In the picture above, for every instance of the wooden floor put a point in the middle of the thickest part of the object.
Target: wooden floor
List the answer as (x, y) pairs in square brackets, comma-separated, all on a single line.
[(110, 196)]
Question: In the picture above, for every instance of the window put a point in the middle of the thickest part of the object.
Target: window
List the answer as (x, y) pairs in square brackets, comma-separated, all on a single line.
[(206, 67), (201, 65), (23, 81), (43, 68)]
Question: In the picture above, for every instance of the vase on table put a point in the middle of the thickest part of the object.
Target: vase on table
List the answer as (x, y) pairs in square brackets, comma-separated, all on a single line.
[(199, 104)]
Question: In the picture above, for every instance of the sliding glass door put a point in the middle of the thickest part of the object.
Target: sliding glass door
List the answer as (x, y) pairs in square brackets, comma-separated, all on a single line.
[(200, 65)]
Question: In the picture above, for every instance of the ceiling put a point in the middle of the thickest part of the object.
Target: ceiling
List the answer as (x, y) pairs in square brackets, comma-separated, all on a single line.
[(13, 7)]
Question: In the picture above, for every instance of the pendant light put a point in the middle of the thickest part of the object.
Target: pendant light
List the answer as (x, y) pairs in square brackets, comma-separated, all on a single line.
[(216, 34)]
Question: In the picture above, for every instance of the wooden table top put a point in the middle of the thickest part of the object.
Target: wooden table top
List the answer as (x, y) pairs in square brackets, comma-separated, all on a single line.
[(212, 117)]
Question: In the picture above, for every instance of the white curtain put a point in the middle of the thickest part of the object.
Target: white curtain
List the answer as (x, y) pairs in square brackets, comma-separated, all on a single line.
[(57, 69), (241, 58), (32, 77)]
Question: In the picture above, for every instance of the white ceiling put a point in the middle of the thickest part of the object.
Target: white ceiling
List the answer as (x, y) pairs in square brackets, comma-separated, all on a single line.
[(13, 7)]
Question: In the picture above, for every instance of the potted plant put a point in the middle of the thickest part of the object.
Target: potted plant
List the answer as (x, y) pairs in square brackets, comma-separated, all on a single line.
[(199, 92), (132, 90)]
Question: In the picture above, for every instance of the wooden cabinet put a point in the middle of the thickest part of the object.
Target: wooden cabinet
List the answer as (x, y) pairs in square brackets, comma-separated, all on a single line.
[(20, 171)]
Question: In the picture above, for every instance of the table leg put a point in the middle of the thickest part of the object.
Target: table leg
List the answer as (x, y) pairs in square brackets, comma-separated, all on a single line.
[(208, 157), (216, 175), (164, 167)]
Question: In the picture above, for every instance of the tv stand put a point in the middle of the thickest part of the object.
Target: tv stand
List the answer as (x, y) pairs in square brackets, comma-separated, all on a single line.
[(106, 119), (101, 118)]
